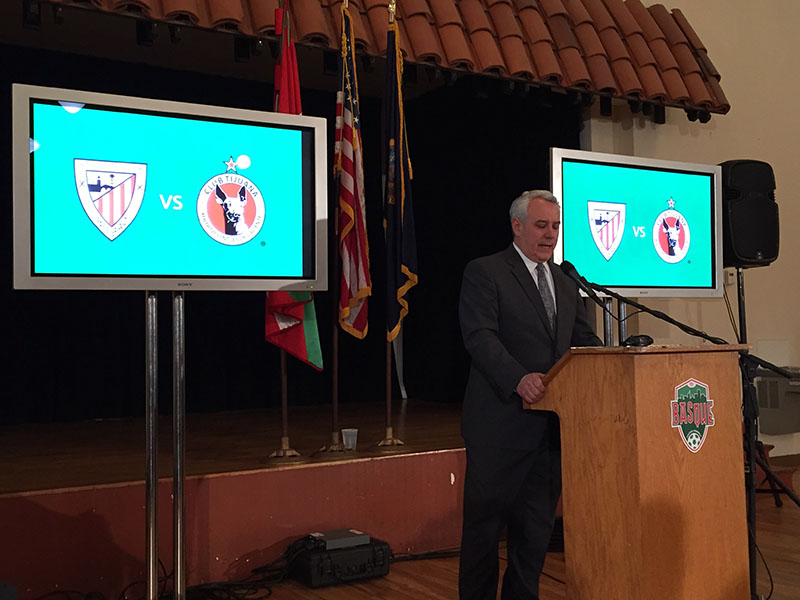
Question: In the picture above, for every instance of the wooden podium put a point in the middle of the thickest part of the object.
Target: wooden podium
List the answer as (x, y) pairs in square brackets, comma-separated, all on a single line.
[(646, 514)]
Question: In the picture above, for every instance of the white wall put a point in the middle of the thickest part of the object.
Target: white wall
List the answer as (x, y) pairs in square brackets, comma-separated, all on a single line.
[(752, 45)]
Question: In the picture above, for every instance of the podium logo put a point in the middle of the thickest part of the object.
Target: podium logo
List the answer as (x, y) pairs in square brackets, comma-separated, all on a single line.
[(692, 413)]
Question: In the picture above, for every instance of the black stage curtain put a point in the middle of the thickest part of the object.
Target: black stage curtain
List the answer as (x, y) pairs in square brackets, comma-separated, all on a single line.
[(76, 355)]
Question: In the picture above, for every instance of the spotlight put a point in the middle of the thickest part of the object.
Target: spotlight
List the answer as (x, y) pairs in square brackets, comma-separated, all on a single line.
[(174, 33), (330, 61), (367, 63), (605, 106), (241, 49), (31, 14), (146, 32)]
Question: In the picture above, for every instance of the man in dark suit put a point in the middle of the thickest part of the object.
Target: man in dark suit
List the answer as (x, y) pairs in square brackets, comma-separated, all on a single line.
[(519, 313)]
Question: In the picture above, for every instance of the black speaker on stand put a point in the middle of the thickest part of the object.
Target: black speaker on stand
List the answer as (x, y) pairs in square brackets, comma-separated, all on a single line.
[(750, 232), (751, 236)]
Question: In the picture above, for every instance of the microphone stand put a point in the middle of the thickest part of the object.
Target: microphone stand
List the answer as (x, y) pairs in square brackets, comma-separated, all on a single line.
[(747, 364)]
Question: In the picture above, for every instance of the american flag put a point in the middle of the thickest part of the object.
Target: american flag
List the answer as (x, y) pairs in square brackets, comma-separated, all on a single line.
[(355, 285)]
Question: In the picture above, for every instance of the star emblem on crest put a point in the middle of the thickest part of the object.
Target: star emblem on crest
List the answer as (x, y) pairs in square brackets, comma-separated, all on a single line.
[(671, 203), (231, 164)]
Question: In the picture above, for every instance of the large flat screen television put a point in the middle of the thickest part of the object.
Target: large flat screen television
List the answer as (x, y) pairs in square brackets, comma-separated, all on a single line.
[(115, 192), (639, 226)]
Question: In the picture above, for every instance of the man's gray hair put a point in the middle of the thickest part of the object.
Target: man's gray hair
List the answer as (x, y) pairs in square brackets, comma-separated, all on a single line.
[(519, 208)]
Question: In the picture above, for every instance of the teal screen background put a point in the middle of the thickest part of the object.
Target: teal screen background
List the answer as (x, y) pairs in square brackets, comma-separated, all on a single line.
[(645, 193), (181, 154)]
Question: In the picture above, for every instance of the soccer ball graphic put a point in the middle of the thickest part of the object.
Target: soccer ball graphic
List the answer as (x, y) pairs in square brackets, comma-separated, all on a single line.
[(694, 439)]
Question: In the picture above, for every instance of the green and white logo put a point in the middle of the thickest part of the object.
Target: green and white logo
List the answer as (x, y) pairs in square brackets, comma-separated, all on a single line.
[(692, 413)]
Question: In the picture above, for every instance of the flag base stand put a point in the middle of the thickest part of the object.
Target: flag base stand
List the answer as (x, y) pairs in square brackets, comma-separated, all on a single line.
[(334, 451), (389, 444), (285, 454)]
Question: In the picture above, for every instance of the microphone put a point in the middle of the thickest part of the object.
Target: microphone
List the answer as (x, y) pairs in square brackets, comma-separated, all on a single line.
[(572, 273)]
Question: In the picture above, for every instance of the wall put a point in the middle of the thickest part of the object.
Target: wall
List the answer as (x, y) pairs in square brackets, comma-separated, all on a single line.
[(93, 538), (750, 46)]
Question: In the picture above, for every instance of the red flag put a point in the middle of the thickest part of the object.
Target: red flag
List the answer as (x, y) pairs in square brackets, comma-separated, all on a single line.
[(292, 325), (355, 285), (287, 81), (291, 322)]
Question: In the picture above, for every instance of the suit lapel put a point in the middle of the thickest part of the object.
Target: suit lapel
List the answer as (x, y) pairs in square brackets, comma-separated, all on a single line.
[(521, 273), (565, 307)]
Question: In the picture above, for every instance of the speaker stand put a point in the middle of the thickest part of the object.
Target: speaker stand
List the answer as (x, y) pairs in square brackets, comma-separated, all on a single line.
[(748, 364)]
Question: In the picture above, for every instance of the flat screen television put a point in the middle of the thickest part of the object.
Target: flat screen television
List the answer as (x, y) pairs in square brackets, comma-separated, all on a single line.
[(115, 192), (640, 226)]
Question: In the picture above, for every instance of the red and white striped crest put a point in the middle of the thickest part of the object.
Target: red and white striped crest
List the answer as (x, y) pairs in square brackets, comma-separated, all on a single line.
[(111, 193), (607, 223)]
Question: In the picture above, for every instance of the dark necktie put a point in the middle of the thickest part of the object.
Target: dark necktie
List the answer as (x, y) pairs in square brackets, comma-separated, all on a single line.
[(546, 294)]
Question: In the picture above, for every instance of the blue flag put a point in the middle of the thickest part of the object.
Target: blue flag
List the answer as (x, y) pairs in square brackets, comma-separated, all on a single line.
[(401, 244)]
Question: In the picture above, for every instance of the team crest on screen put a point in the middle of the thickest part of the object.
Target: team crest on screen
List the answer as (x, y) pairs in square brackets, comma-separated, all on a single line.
[(230, 208), (692, 413), (607, 224), (671, 235), (110, 192)]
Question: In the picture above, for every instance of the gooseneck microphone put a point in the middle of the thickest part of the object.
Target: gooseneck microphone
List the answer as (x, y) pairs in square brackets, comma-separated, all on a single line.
[(571, 272)]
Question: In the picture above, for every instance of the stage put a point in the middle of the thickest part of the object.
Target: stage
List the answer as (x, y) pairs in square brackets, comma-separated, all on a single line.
[(72, 502), (72, 499)]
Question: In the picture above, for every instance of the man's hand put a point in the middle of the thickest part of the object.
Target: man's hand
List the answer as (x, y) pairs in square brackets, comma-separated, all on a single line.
[(531, 388)]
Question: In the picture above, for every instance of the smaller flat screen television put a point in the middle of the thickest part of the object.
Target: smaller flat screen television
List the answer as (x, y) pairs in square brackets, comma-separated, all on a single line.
[(639, 226), (115, 192)]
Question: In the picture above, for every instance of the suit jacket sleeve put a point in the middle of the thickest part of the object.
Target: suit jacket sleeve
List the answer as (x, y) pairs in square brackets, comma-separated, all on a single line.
[(479, 317)]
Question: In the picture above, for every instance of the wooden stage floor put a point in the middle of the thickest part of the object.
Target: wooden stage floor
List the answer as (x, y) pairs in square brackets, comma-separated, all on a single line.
[(63, 455), (57, 456)]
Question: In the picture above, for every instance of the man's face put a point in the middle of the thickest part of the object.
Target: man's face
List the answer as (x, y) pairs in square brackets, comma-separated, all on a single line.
[(537, 236)]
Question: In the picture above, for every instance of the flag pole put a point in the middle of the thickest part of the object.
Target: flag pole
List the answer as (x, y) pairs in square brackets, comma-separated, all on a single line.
[(336, 445), (336, 449), (284, 454), (389, 443)]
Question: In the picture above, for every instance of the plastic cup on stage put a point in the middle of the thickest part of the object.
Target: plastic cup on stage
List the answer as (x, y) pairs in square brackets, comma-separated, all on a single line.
[(350, 438)]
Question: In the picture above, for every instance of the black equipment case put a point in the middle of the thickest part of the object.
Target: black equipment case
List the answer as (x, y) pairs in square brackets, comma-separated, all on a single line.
[(318, 567)]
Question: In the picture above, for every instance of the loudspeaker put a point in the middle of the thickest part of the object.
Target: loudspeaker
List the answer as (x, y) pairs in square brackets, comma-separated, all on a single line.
[(750, 231)]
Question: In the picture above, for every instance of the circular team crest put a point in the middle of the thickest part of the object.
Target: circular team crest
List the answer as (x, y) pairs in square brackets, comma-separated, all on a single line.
[(671, 236), (230, 208)]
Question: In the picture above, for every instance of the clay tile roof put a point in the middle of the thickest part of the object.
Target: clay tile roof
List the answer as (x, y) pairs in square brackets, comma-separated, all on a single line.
[(617, 48), (577, 12)]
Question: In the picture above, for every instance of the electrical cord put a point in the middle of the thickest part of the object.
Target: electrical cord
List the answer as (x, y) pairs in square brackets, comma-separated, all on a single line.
[(764, 562), (545, 573), (730, 314), (449, 553), (123, 595)]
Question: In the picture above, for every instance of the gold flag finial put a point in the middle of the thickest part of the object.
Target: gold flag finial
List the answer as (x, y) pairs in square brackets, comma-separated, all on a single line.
[(392, 9)]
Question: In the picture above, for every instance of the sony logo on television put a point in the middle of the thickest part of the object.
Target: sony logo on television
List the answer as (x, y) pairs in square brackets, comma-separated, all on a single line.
[(184, 284)]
